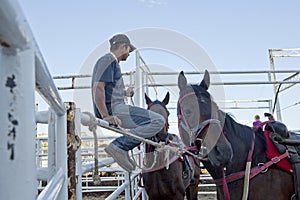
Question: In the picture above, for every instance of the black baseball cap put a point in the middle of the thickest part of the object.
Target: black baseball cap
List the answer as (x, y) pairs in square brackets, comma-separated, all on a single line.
[(121, 38)]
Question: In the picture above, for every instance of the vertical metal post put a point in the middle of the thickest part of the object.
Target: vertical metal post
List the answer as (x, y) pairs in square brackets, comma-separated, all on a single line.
[(138, 81), (127, 188), (143, 91), (270, 106), (51, 145), (278, 112), (61, 152), (17, 127), (145, 196), (145, 80)]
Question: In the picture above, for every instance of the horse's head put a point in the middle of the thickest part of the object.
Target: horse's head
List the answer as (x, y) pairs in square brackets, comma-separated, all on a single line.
[(162, 136), (160, 108), (199, 123)]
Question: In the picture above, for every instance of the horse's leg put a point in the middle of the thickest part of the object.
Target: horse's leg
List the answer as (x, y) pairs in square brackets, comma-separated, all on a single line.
[(193, 187), (188, 193)]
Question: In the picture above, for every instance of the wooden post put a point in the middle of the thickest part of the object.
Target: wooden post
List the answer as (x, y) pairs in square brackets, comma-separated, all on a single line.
[(72, 148)]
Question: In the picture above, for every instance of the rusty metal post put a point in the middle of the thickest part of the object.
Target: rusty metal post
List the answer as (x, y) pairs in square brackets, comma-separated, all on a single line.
[(72, 145)]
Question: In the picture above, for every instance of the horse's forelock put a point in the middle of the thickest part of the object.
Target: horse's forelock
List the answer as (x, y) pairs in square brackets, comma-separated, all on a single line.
[(161, 104)]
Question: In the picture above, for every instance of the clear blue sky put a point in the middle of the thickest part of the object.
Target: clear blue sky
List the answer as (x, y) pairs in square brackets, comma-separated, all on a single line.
[(235, 34)]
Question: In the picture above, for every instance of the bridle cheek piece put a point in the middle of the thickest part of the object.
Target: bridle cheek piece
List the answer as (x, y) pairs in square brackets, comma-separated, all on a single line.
[(195, 131)]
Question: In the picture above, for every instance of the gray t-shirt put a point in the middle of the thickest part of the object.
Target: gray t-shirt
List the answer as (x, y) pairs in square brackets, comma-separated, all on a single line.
[(107, 70)]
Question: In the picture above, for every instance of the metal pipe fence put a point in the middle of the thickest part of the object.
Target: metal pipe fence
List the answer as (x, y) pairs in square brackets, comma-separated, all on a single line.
[(86, 166), (24, 70)]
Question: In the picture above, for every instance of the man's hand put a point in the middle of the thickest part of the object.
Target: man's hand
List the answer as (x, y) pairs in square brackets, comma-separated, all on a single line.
[(113, 120), (129, 92)]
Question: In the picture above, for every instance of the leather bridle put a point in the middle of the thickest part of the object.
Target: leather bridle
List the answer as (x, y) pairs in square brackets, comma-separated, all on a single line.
[(193, 131)]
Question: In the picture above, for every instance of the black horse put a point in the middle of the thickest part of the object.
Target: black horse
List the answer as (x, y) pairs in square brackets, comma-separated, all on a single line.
[(165, 179), (248, 146)]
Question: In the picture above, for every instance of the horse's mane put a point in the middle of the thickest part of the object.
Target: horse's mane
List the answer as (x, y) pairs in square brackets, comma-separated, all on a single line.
[(234, 129)]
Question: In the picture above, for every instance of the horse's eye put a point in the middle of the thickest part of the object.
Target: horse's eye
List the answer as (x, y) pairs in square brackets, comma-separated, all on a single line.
[(187, 112), (202, 100)]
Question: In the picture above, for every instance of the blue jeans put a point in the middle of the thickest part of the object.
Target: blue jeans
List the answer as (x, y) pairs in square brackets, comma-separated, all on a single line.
[(141, 122)]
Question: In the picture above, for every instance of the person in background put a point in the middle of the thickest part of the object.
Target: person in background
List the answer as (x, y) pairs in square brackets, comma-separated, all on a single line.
[(269, 116), (256, 120), (108, 93)]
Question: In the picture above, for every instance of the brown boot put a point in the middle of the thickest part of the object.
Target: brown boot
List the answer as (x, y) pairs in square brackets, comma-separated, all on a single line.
[(120, 156)]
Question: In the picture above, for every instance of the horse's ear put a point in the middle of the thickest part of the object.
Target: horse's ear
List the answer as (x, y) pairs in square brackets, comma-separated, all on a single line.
[(148, 100), (166, 99), (182, 82), (205, 81)]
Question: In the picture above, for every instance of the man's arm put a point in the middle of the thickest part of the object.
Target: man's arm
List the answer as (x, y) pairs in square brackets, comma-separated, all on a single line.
[(99, 99)]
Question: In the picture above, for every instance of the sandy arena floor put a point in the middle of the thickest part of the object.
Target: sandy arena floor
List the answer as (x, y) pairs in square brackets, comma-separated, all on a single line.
[(97, 196)]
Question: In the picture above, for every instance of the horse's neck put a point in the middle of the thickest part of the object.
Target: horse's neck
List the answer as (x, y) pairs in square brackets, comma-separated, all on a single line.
[(240, 147), (241, 138)]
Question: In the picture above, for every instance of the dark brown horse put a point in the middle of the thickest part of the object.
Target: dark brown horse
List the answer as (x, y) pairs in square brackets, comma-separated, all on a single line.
[(196, 130), (198, 107), (164, 180)]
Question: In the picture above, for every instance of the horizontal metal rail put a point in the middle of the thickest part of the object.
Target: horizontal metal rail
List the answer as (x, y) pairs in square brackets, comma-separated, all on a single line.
[(263, 72), (233, 83), (46, 87), (229, 72), (118, 191), (52, 189), (121, 188), (101, 163), (187, 72), (85, 119), (42, 117)]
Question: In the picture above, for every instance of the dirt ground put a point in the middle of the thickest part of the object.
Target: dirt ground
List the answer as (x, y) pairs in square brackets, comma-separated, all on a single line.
[(99, 196), (207, 197)]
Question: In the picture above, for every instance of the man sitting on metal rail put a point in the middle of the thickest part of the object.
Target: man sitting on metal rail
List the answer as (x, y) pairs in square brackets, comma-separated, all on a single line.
[(108, 92)]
